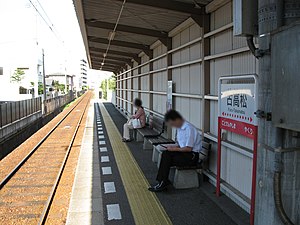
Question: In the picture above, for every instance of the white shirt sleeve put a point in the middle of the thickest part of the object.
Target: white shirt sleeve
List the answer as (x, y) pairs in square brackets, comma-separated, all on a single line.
[(190, 137)]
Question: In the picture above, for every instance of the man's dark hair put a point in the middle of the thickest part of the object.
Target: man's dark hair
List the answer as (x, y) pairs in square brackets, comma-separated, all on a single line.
[(172, 115), (137, 102)]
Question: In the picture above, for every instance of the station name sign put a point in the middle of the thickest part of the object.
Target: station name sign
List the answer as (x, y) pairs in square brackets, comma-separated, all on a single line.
[(237, 107)]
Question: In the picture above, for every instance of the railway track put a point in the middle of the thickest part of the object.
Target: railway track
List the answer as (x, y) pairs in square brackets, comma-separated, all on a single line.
[(27, 192)]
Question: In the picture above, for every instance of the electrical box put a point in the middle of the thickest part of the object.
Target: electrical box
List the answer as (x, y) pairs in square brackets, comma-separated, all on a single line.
[(285, 67), (245, 17)]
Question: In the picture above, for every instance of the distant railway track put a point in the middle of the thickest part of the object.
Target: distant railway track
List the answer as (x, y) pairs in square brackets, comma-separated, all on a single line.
[(27, 192)]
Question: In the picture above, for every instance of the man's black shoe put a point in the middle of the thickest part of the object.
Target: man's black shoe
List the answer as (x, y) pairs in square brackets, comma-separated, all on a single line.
[(159, 187)]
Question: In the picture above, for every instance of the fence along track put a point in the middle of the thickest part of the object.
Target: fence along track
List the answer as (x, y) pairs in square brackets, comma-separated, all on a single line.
[(10, 175), (45, 210)]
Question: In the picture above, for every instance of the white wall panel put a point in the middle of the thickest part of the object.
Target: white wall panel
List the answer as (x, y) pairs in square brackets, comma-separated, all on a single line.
[(145, 99), (219, 67), (195, 51), (176, 77), (221, 16), (145, 83), (195, 79), (184, 77)]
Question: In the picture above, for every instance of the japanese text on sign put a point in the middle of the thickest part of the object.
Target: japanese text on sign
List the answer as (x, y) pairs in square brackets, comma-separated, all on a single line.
[(238, 102)]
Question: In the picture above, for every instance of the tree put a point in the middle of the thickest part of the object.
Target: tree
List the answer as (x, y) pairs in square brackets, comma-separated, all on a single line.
[(18, 75), (112, 83), (57, 86), (40, 88), (104, 89)]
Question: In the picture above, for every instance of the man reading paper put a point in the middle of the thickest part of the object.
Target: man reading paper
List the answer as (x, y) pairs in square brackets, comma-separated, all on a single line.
[(185, 153)]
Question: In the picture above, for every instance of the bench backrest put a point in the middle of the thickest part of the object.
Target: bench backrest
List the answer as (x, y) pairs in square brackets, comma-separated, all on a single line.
[(206, 147), (157, 124)]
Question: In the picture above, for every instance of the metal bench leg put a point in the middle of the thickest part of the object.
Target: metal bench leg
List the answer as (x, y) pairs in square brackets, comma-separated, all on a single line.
[(184, 179), (155, 154), (147, 145), (139, 137)]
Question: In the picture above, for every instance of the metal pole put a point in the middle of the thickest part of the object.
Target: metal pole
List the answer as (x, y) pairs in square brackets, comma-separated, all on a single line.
[(218, 189), (66, 79), (254, 169), (44, 83)]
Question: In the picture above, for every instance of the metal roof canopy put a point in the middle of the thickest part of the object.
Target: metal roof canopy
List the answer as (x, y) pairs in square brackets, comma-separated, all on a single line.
[(141, 24)]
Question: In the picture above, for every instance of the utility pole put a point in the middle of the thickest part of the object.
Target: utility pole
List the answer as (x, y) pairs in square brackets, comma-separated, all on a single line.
[(44, 83), (273, 140)]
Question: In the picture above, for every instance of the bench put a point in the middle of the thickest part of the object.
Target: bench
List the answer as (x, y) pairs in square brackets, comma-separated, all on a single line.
[(154, 134), (187, 176)]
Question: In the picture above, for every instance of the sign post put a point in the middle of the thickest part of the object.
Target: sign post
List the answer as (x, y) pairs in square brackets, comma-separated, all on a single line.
[(237, 107), (169, 95)]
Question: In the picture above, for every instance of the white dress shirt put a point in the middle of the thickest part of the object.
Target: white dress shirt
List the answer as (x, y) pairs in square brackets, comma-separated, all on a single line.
[(189, 136)]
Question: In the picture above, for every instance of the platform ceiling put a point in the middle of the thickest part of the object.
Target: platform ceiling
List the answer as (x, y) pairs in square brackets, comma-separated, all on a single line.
[(141, 24)]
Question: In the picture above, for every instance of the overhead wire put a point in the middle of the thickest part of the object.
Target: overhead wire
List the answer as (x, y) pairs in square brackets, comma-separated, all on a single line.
[(112, 35), (51, 27)]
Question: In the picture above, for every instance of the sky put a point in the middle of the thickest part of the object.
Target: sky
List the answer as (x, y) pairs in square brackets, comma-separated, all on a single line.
[(21, 24)]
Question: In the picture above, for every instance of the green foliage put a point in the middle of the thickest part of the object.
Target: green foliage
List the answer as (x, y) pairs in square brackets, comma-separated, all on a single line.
[(18, 75), (57, 86), (112, 83), (104, 89), (40, 88)]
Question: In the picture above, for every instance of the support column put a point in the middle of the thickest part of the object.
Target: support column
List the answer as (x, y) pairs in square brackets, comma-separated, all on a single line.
[(150, 81), (126, 91), (131, 85), (205, 72), (170, 78), (271, 137)]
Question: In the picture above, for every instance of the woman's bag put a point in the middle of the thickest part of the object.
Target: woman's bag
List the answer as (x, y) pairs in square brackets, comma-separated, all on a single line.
[(136, 123), (129, 122)]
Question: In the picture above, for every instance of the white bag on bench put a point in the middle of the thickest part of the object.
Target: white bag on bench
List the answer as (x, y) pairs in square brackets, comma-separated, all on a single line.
[(136, 123)]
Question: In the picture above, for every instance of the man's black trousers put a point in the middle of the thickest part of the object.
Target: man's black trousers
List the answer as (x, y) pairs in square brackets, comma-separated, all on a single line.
[(170, 159)]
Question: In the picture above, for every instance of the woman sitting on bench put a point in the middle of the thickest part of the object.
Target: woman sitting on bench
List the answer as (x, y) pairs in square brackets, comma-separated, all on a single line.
[(139, 117), (186, 153)]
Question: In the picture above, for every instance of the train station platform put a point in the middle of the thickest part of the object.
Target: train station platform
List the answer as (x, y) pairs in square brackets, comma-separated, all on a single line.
[(112, 179)]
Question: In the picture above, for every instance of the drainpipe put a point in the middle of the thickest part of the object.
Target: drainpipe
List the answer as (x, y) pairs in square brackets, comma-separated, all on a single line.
[(277, 189)]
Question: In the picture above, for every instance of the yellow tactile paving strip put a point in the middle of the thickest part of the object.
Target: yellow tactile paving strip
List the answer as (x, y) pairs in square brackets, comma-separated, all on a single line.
[(145, 206)]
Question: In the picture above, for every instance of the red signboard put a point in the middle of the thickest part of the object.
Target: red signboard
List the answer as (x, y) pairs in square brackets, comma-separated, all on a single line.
[(238, 127), (237, 106)]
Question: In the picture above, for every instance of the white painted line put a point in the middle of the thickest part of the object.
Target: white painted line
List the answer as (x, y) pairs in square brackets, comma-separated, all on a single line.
[(106, 170), (100, 128), (100, 132), (109, 187), (113, 212), (104, 159), (103, 149), (101, 137), (102, 142)]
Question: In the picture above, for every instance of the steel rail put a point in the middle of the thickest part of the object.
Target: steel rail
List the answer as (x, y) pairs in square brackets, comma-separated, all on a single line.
[(47, 206), (12, 173)]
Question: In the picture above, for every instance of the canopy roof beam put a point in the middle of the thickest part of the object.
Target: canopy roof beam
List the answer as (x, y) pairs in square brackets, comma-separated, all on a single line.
[(119, 43), (195, 8), (125, 28), (113, 52)]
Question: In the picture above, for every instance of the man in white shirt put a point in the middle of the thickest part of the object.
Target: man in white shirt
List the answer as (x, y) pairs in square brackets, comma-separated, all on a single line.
[(185, 153)]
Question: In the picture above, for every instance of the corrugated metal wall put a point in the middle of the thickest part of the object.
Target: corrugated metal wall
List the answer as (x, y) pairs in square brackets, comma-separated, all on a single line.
[(228, 55)]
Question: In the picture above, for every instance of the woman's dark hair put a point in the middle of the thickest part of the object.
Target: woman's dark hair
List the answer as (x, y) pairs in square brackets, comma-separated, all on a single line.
[(172, 115), (137, 102)]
